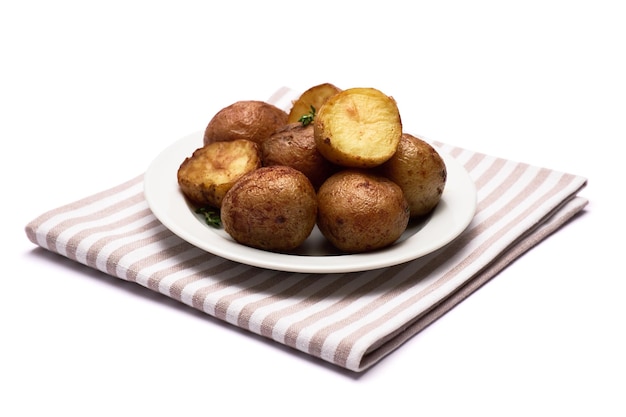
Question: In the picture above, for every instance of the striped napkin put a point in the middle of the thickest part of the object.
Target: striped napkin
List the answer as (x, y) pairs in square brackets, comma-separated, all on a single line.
[(351, 320)]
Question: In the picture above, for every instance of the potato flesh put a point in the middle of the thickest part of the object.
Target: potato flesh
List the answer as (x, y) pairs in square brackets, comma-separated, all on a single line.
[(358, 127), (211, 171), (315, 96), (222, 166)]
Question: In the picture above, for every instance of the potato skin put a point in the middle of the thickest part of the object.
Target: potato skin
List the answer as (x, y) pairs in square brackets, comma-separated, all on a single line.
[(359, 211), (247, 119), (272, 208), (294, 146), (206, 176), (420, 171)]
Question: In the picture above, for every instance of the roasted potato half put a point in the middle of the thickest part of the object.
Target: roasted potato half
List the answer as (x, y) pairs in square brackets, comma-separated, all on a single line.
[(420, 171), (294, 146), (359, 211), (272, 208), (313, 97), (206, 176), (358, 128), (248, 119)]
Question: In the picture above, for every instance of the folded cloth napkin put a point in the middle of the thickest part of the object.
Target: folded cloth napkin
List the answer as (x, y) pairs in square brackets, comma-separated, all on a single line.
[(351, 320)]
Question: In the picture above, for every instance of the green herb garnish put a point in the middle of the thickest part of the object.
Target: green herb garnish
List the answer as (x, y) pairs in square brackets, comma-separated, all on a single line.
[(307, 119), (211, 216)]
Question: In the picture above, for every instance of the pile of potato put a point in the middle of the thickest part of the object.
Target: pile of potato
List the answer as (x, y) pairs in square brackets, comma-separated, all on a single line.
[(339, 160)]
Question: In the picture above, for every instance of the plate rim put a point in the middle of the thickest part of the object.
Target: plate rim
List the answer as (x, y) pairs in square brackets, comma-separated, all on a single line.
[(164, 199)]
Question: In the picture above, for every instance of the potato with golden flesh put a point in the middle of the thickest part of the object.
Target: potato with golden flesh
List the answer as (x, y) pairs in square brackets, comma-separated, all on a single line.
[(206, 176), (248, 119), (358, 128), (420, 171), (314, 97), (272, 208), (359, 211), (294, 146)]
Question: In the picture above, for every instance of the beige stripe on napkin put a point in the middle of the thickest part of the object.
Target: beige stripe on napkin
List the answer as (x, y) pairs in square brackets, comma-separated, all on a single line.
[(352, 320)]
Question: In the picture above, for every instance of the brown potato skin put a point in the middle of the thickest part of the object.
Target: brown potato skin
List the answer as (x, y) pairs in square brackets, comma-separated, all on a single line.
[(247, 119), (359, 211), (294, 146), (206, 176), (272, 208), (420, 171)]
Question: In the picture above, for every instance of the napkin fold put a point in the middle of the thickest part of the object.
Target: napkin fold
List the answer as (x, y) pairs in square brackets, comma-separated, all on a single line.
[(352, 320)]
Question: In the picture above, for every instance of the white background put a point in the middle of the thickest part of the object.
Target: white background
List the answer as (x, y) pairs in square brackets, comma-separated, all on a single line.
[(91, 92)]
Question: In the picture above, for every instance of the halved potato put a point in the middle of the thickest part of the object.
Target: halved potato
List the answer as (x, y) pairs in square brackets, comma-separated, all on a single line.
[(247, 119), (315, 97), (206, 176), (358, 127)]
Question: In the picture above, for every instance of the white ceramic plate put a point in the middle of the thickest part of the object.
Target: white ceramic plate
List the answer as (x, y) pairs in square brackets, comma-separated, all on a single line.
[(451, 216)]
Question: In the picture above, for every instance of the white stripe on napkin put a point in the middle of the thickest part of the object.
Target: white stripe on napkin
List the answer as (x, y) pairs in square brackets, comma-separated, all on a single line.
[(351, 320)]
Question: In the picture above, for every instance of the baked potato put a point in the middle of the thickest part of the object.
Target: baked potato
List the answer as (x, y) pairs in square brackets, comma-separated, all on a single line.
[(358, 128), (206, 176), (247, 119), (272, 208), (359, 211), (294, 146), (313, 98), (420, 171)]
